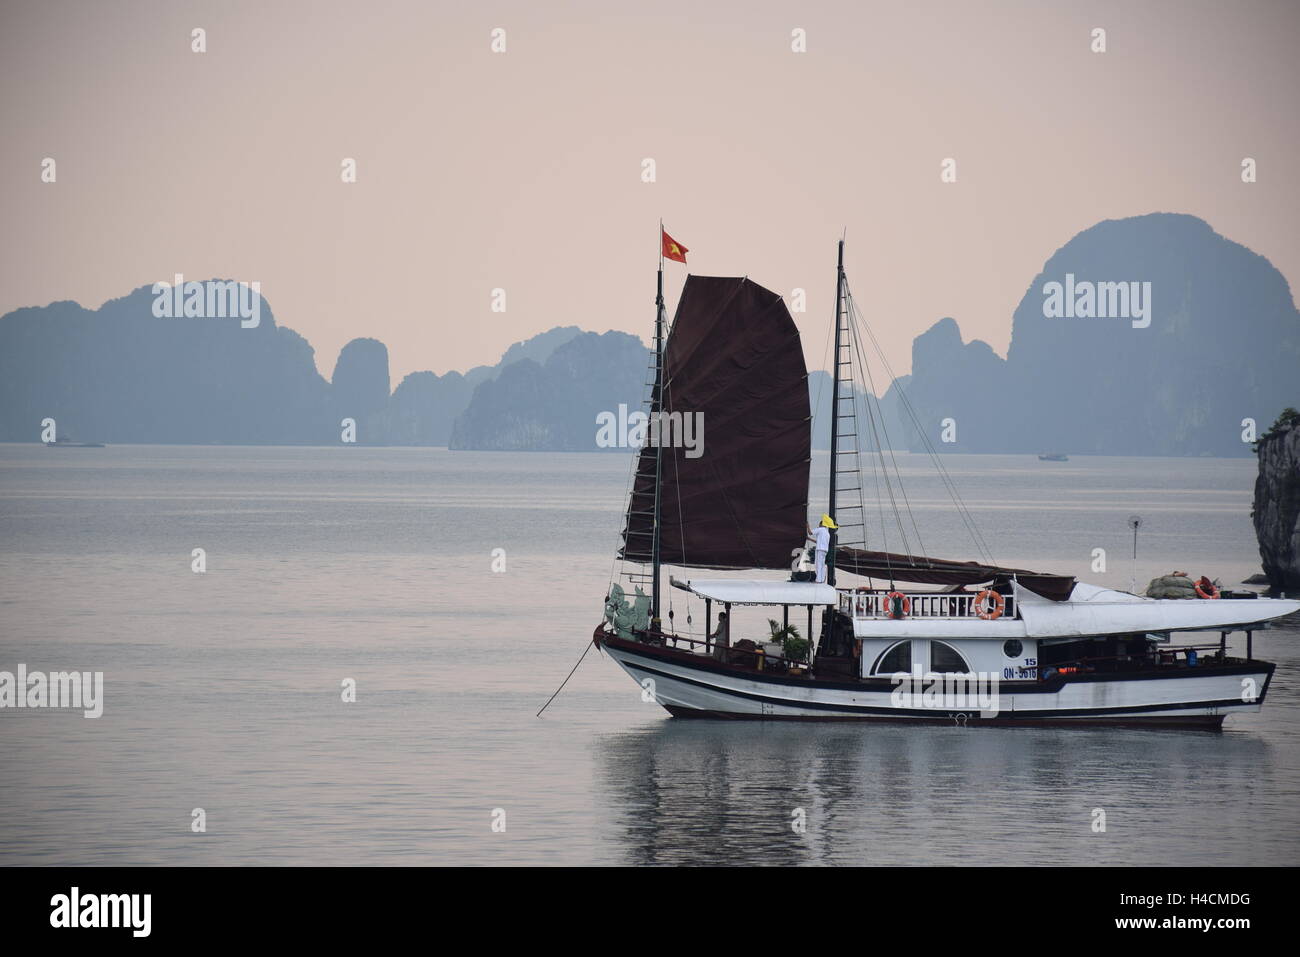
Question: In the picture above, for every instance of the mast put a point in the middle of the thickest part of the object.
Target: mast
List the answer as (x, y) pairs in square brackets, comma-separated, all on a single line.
[(656, 405), (835, 410)]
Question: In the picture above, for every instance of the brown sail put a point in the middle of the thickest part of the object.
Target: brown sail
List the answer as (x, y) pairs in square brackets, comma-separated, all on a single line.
[(941, 571), (734, 359)]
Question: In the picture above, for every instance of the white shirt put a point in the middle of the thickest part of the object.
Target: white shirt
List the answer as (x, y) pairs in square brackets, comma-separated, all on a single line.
[(823, 536)]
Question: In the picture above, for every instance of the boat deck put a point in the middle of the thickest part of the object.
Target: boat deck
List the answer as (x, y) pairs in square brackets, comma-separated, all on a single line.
[(844, 671)]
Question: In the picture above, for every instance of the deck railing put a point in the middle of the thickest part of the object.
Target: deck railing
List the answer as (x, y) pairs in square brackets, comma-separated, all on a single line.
[(875, 604), (756, 658)]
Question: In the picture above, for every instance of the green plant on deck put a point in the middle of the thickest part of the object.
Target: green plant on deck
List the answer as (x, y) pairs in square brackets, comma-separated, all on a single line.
[(795, 648), (781, 633), (792, 645)]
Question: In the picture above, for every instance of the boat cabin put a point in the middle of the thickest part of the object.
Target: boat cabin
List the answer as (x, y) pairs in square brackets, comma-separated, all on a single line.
[(875, 633)]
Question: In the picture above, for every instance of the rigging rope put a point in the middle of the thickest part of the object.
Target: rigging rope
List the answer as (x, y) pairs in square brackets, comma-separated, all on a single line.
[(962, 511), (873, 405), (889, 484), (618, 565), (877, 474)]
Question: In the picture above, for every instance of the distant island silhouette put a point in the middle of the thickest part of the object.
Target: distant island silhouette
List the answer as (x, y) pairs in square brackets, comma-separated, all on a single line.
[(1083, 374), (1222, 346)]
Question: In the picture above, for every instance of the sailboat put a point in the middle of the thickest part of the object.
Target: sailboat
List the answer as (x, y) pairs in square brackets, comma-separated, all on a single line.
[(980, 644)]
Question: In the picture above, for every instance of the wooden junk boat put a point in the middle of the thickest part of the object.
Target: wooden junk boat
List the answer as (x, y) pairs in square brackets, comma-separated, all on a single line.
[(989, 645)]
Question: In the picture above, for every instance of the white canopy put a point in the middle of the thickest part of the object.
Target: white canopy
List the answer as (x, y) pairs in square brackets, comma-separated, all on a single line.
[(1101, 611), (738, 591)]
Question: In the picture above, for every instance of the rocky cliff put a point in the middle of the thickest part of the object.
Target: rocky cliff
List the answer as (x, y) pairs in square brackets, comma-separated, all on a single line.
[(360, 381), (1152, 335), (1277, 503), (957, 391), (553, 405), (120, 373), (123, 373)]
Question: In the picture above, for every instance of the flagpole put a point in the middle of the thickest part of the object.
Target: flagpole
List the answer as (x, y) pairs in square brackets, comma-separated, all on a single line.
[(656, 403)]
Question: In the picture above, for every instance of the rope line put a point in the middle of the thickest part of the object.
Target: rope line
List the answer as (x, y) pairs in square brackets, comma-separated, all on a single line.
[(590, 645)]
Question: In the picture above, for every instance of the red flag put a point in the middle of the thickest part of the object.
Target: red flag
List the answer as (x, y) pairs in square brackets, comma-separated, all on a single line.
[(673, 249)]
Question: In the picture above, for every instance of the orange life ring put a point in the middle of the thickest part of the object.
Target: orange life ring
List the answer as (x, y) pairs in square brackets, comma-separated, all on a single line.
[(905, 606), (998, 606), (1214, 592)]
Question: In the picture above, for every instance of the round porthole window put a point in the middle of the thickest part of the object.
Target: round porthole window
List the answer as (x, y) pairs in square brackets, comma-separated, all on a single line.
[(1013, 648)]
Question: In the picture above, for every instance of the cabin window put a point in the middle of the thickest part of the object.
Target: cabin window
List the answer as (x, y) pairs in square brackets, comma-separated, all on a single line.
[(894, 659), (1013, 648), (946, 659)]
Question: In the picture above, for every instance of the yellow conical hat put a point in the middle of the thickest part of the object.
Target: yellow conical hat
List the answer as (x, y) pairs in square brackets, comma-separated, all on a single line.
[(828, 522)]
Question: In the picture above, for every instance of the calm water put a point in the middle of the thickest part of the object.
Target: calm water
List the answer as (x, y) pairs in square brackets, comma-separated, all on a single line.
[(223, 689)]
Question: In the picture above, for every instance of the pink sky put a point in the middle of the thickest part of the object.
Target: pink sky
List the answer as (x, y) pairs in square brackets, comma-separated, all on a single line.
[(522, 170)]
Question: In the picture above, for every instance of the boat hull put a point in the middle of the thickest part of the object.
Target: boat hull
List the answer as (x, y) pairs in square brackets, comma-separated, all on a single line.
[(693, 686)]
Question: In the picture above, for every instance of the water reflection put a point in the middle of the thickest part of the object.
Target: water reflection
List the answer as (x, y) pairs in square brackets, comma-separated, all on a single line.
[(704, 792)]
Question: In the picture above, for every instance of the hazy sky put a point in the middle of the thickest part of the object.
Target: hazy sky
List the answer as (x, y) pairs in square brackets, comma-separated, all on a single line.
[(522, 170)]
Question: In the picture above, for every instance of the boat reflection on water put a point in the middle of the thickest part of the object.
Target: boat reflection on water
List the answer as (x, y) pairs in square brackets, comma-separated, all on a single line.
[(718, 793)]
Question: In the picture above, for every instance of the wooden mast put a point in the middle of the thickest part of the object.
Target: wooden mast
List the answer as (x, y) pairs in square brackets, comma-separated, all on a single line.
[(656, 405), (835, 410)]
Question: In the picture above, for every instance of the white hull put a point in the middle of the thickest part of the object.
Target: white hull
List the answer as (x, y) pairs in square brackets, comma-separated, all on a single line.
[(688, 689)]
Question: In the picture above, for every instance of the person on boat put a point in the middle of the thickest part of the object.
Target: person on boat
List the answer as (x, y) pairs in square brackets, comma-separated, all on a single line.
[(719, 640), (822, 544)]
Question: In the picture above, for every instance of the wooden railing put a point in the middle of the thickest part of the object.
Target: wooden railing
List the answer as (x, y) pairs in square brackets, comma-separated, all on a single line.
[(875, 604), (756, 659)]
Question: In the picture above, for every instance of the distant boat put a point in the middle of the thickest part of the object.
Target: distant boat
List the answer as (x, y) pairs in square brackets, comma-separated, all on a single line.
[(66, 443), (1052, 650), (1054, 457)]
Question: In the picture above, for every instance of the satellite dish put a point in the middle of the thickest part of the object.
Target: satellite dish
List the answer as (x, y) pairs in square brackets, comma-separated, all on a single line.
[(1134, 522)]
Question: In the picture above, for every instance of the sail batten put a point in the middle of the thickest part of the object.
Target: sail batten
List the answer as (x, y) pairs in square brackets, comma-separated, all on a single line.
[(733, 359)]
